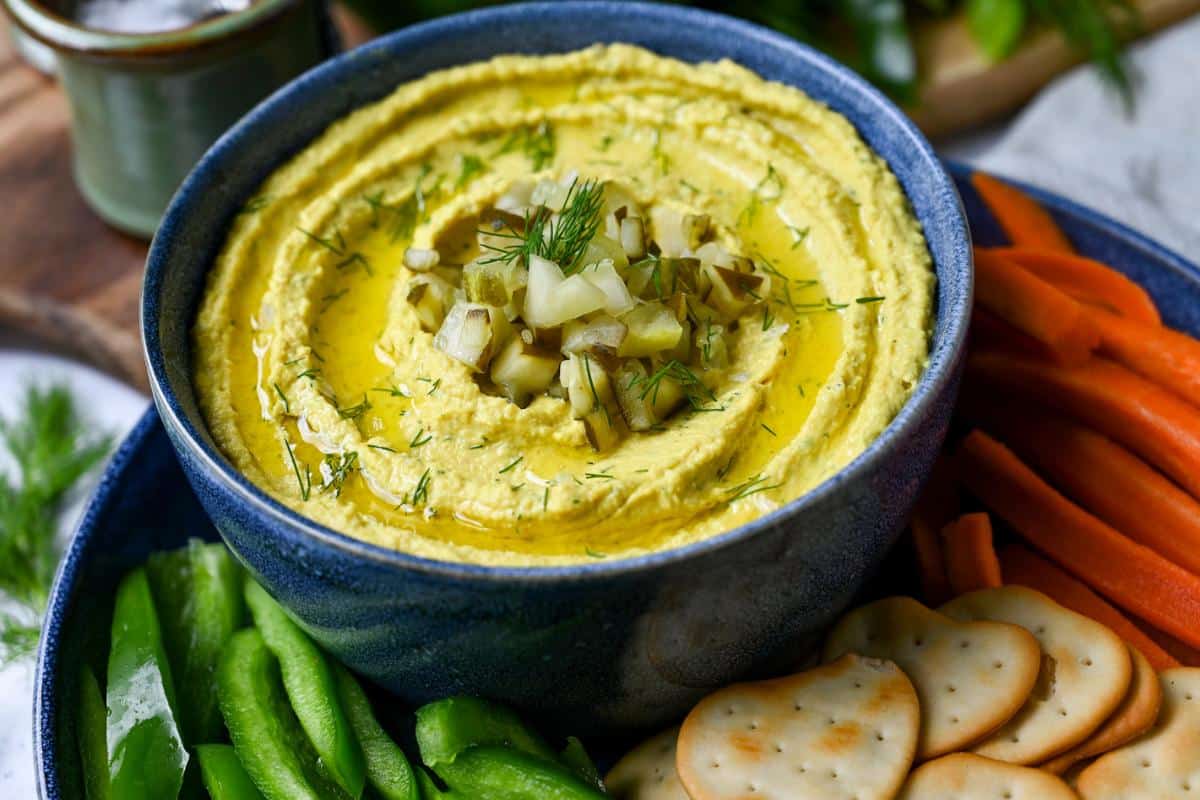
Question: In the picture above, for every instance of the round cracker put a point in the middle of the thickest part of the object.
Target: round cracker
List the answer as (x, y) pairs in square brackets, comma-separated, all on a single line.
[(847, 730), (1085, 673), (971, 677), (1133, 717), (966, 776), (647, 772), (1163, 764)]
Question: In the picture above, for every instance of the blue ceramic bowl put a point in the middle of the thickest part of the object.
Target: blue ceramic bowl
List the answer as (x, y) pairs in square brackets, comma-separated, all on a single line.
[(612, 644)]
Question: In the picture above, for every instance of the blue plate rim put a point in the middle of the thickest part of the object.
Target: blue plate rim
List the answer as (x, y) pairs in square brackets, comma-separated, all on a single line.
[(938, 376)]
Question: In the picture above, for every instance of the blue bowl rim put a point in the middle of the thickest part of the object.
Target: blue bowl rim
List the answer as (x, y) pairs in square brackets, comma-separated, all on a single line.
[(937, 378)]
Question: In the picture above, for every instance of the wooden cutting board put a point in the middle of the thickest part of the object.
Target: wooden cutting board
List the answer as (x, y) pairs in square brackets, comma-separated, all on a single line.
[(68, 279)]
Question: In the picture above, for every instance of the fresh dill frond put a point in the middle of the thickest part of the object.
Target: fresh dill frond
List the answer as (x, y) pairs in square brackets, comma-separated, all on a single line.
[(468, 167), (751, 486), (563, 240), (421, 493), (697, 392), (512, 465), (420, 439), (355, 411), (335, 244), (303, 479), (339, 468), (52, 449), (536, 142)]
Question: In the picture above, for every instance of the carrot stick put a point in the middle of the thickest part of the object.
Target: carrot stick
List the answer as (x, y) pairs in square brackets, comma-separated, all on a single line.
[(1130, 575), (1099, 474), (1169, 358), (937, 504), (971, 562), (1024, 221), (1022, 566), (1035, 307), (1088, 281), (1149, 420)]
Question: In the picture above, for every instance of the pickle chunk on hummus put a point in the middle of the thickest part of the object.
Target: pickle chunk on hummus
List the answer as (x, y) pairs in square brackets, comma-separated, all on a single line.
[(541, 310)]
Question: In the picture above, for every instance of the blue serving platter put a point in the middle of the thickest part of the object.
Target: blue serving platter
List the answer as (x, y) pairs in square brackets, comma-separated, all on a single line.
[(144, 504)]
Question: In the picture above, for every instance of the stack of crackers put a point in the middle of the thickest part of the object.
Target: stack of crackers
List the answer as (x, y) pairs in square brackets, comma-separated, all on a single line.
[(1001, 693)]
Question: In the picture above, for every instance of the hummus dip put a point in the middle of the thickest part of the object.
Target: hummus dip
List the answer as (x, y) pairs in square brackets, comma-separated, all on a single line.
[(385, 347)]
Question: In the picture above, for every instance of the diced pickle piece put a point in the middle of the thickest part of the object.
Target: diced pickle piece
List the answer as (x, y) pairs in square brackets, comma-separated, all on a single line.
[(601, 332), (603, 248), (551, 299), (667, 225), (695, 229), (430, 296), (605, 278), (711, 348), (523, 370), (602, 429), (733, 292), (587, 383), (665, 396), (472, 333), (653, 328), (636, 406), (633, 237), (487, 283)]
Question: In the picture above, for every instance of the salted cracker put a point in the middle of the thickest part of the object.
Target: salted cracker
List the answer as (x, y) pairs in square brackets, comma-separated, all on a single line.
[(971, 677), (1165, 763), (1085, 673), (647, 772), (843, 731), (966, 776), (1133, 717)]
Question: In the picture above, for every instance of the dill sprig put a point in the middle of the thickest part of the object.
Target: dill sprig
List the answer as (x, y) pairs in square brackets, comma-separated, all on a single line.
[(355, 411), (421, 493), (536, 142), (340, 468), (303, 479), (563, 240), (52, 449), (751, 486), (697, 392)]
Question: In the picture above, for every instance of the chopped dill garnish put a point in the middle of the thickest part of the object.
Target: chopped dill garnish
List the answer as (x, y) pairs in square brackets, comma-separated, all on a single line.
[(546, 498), (355, 411), (769, 188), (690, 187), (256, 204), (484, 443), (420, 439), (433, 384), (768, 318), (768, 429), (355, 259), (658, 155), (568, 236), (393, 391), (694, 389), (382, 447), (305, 480), (513, 465), (287, 408), (603, 476), (536, 142), (328, 300), (469, 166), (798, 235), (752, 486), (340, 468), (643, 469), (862, 301), (516, 487), (596, 404), (421, 493), (606, 142), (594, 553), (376, 203), (336, 245), (311, 373)]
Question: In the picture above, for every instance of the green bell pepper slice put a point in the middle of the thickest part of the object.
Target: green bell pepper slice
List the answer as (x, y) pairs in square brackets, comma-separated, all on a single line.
[(388, 771), (575, 756), (266, 734), (312, 688), (496, 772), (447, 727), (198, 593), (146, 755), (224, 776), (90, 732)]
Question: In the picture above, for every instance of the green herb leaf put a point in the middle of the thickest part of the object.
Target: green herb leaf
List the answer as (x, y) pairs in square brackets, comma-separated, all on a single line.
[(996, 25)]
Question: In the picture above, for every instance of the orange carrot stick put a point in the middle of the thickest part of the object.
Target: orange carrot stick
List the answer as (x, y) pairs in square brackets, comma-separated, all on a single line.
[(1088, 281), (1169, 358), (971, 562), (1022, 566), (1132, 576), (1024, 221), (1099, 474), (1035, 307), (1149, 420), (1185, 655), (937, 504)]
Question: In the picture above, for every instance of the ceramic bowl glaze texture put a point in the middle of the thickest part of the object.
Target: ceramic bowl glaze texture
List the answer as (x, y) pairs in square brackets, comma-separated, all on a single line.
[(602, 646), (146, 106)]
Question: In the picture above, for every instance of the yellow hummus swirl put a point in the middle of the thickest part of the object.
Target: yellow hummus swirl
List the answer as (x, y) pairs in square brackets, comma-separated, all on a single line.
[(319, 384)]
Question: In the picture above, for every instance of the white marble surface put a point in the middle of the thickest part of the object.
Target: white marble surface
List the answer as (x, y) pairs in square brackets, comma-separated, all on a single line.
[(1073, 139)]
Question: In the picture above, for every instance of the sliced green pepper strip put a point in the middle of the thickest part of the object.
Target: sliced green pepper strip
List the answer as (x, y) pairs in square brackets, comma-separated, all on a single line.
[(224, 776), (91, 726), (502, 773), (266, 735), (447, 727), (430, 790), (575, 756), (147, 758), (198, 592), (312, 688), (388, 770)]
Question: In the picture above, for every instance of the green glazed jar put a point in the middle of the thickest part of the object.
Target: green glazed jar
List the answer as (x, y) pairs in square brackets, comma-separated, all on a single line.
[(145, 106)]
